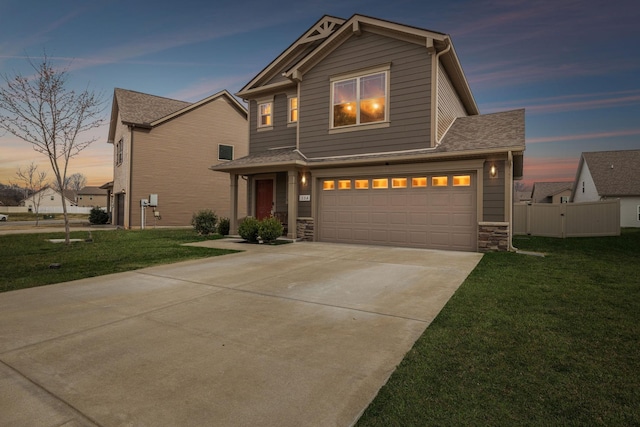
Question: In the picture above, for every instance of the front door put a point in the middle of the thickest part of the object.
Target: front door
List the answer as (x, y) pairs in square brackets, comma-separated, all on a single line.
[(264, 198)]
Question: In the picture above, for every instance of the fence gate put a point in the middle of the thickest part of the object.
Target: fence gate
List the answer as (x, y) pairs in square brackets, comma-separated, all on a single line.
[(600, 218)]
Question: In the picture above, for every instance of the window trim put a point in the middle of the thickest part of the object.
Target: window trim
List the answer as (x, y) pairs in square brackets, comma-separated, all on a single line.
[(357, 75), (259, 104), (232, 152), (290, 110), (119, 152)]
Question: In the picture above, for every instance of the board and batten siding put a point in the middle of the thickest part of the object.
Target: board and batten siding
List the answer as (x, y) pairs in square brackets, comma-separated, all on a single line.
[(172, 160), (409, 103), (449, 105), (493, 193), (281, 135)]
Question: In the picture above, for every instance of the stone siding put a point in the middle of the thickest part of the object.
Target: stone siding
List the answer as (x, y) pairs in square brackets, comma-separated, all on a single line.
[(304, 229), (493, 236)]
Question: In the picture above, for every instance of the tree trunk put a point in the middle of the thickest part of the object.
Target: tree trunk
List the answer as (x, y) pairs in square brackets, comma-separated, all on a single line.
[(67, 230)]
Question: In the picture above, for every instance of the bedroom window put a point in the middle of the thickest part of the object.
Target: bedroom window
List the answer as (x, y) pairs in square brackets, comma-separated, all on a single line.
[(265, 118), (359, 100), (293, 110), (225, 152)]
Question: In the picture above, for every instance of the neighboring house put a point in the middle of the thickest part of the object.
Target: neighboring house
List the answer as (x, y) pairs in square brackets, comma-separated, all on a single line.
[(92, 196), (551, 192), (522, 196), (165, 147), (48, 197), (611, 175), (366, 131)]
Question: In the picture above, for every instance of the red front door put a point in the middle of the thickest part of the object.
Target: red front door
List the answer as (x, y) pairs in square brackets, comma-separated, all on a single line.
[(264, 198)]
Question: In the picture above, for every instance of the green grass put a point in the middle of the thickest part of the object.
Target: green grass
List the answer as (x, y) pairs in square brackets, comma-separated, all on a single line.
[(25, 258), (529, 341)]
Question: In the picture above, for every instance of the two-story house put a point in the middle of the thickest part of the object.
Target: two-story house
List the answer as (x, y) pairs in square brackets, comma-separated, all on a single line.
[(366, 131), (164, 147), (92, 196)]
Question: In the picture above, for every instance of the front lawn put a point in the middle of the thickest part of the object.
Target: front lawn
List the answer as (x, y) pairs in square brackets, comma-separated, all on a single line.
[(529, 341), (25, 258)]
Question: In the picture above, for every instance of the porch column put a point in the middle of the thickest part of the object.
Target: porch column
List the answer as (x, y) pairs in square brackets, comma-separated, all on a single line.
[(233, 204), (292, 201)]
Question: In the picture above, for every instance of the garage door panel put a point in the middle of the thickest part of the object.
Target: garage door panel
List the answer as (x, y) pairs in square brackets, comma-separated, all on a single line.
[(462, 219), (379, 218), (427, 217), (439, 219)]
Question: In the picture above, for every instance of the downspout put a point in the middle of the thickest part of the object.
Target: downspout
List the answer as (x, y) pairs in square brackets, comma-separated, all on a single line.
[(510, 202), (130, 180), (437, 70)]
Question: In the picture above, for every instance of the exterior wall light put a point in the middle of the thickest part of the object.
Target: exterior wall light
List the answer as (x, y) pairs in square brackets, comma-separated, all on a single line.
[(493, 172), (304, 179)]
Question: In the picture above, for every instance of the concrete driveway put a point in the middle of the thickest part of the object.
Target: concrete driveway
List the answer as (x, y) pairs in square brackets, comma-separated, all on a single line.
[(290, 335)]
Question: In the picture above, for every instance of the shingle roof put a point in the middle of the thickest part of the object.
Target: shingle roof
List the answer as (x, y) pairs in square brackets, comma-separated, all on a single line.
[(542, 190), (141, 108), (615, 173), (474, 133), (92, 190), (485, 131)]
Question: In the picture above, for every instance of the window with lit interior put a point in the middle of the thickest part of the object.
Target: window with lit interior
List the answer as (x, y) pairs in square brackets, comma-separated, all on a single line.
[(265, 118), (360, 100), (293, 110)]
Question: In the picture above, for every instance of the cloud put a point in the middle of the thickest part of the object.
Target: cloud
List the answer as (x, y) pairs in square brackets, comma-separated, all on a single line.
[(583, 136), (567, 103), (549, 169)]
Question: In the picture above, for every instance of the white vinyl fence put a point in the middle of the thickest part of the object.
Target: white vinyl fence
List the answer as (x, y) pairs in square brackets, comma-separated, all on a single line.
[(46, 209), (568, 219)]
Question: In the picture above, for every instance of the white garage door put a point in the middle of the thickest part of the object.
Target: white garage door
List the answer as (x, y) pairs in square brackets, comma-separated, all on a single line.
[(430, 211)]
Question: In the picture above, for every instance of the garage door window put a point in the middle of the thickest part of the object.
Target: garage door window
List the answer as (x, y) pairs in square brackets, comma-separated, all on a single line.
[(362, 184), (439, 181), (419, 182), (344, 184), (399, 183), (329, 185), (461, 181), (380, 183)]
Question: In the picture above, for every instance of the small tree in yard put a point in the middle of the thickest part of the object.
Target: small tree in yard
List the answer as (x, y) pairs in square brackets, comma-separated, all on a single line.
[(34, 182), (43, 111)]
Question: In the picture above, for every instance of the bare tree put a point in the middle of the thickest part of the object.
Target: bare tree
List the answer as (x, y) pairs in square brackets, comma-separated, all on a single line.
[(34, 182), (43, 111), (77, 182)]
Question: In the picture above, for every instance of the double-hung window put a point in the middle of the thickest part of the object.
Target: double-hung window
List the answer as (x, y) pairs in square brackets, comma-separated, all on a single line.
[(293, 109), (265, 114), (360, 100), (119, 151)]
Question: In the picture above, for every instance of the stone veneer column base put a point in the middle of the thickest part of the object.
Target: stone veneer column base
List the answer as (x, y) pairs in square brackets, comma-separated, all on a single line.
[(493, 236), (304, 229)]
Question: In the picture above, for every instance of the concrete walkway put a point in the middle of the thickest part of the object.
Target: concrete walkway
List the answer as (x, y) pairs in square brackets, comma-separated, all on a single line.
[(290, 335)]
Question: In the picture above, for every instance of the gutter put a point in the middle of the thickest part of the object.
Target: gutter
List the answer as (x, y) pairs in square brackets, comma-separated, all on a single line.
[(510, 202)]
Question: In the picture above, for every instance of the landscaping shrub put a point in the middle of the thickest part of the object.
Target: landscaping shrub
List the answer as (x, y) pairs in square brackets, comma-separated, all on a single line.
[(248, 229), (204, 222), (270, 229), (98, 216), (223, 226)]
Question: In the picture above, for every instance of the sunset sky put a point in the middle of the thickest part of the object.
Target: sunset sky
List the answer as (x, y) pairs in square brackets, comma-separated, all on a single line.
[(573, 65)]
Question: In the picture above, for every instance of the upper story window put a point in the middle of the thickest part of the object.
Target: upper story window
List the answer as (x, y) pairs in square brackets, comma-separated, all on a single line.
[(293, 109), (225, 152), (265, 114), (119, 151), (360, 100)]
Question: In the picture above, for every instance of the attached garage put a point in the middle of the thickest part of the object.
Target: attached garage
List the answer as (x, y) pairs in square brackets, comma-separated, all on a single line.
[(424, 211)]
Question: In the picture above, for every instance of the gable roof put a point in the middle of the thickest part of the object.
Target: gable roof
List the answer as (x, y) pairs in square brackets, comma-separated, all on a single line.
[(543, 190), (144, 110), (614, 173), (330, 32), (92, 191)]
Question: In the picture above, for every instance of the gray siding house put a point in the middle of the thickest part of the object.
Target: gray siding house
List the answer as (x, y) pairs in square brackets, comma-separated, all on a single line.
[(366, 131)]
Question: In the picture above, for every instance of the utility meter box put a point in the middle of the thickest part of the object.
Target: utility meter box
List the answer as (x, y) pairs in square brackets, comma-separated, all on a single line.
[(153, 200)]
